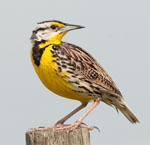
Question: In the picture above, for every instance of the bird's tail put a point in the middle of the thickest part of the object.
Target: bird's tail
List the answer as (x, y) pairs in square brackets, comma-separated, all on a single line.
[(123, 107)]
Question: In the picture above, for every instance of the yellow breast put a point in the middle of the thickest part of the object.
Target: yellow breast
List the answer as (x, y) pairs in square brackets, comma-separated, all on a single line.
[(52, 79)]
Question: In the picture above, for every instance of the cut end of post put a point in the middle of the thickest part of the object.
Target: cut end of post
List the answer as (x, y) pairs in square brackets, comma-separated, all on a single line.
[(79, 136)]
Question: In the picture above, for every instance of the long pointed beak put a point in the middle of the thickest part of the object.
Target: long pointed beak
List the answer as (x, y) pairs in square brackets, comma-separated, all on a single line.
[(70, 27)]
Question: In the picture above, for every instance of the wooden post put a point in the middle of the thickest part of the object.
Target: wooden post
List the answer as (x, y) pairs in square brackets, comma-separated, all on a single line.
[(79, 136)]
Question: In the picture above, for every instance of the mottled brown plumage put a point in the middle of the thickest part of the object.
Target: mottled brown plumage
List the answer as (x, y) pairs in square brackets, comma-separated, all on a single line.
[(89, 77), (86, 67)]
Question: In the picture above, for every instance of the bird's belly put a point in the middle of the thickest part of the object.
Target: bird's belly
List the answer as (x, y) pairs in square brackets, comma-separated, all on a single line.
[(57, 83)]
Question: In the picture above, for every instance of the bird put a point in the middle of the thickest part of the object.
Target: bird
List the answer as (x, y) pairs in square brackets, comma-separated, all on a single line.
[(71, 72)]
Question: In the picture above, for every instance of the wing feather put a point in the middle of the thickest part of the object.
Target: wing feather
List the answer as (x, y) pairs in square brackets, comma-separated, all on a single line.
[(89, 69)]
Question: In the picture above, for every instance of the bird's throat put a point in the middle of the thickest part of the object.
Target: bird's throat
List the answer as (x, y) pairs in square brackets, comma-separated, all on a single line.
[(54, 40), (39, 47)]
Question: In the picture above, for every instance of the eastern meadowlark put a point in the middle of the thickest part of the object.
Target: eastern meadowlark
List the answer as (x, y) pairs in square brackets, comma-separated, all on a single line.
[(71, 72)]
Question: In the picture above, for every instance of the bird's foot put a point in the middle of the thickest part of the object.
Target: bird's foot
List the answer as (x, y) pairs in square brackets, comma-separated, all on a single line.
[(75, 125), (40, 129)]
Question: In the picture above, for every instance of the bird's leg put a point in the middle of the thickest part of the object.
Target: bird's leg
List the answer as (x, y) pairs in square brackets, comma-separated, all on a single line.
[(59, 125), (61, 121), (89, 110), (79, 121)]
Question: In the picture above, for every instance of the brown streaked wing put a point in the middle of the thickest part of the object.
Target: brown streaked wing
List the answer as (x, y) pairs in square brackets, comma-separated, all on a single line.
[(89, 68)]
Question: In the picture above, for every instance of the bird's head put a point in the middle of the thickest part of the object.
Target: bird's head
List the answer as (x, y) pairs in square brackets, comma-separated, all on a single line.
[(52, 31)]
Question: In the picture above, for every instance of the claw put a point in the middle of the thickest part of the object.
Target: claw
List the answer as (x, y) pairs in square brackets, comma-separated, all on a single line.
[(92, 127), (95, 127)]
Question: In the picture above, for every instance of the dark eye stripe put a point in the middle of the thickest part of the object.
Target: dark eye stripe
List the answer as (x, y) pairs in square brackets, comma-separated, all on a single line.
[(40, 29)]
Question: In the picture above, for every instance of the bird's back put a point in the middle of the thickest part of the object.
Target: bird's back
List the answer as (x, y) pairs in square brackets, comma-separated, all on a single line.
[(85, 69)]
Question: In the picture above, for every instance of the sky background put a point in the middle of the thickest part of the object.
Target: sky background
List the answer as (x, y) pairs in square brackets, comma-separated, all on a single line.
[(117, 34)]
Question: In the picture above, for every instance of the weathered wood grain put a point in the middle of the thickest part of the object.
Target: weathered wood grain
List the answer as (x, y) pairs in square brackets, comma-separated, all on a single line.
[(80, 136)]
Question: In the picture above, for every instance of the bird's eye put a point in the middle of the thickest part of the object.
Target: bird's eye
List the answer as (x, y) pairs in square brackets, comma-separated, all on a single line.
[(53, 27)]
